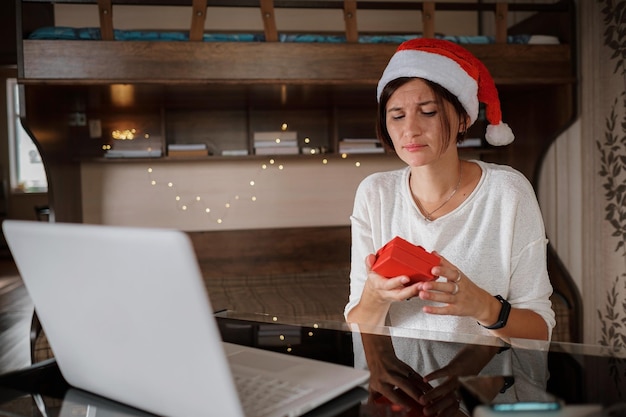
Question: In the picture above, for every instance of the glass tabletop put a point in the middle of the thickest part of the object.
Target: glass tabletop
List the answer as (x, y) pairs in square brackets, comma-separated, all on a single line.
[(410, 370)]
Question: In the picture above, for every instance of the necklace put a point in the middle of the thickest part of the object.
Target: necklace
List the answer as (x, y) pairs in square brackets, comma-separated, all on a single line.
[(428, 215)]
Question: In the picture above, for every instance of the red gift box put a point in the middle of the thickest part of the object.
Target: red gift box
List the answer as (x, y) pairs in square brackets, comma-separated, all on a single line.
[(399, 257)]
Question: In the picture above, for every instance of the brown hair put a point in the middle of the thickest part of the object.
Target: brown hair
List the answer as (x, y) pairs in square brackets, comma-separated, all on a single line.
[(441, 95)]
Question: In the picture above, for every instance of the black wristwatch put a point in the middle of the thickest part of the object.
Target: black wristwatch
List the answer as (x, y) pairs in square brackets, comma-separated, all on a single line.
[(503, 316)]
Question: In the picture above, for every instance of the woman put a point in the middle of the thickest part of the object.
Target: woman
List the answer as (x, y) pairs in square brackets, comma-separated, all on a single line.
[(481, 219)]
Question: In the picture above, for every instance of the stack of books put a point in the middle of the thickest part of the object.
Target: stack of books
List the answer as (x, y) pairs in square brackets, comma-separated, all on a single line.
[(471, 143), (185, 150), (276, 143), (133, 153), (366, 145), (234, 152)]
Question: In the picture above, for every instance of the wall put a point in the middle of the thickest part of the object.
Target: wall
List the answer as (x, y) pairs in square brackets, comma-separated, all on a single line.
[(249, 19), (293, 192)]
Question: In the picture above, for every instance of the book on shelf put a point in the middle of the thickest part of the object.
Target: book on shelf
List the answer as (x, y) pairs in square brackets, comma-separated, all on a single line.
[(471, 143), (133, 153), (187, 153), (366, 145), (271, 136), (280, 142), (362, 150), (234, 152), (186, 147), (277, 150)]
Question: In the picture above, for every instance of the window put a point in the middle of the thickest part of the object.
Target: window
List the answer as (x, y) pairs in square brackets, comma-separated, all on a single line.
[(27, 172)]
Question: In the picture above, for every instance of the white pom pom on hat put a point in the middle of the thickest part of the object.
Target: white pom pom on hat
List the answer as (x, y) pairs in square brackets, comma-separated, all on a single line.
[(458, 71)]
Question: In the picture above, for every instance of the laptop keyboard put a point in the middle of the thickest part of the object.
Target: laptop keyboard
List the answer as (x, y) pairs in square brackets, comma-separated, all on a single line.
[(260, 395)]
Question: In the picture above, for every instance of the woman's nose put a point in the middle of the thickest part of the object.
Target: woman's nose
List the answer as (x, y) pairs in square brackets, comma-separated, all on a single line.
[(413, 125)]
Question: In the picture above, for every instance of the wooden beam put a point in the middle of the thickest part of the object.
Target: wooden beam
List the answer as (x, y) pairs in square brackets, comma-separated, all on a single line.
[(269, 20), (349, 16), (428, 19), (501, 21), (105, 12), (197, 20)]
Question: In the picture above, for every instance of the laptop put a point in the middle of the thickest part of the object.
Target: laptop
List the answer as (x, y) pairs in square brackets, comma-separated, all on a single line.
[(127, 315)]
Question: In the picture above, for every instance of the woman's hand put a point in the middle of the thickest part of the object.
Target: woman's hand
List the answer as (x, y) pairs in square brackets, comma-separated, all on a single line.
[(388, 290), (391, 380), (459, 294)]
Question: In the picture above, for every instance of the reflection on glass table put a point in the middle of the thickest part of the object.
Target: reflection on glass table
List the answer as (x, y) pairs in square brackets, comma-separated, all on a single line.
[(411, 372)]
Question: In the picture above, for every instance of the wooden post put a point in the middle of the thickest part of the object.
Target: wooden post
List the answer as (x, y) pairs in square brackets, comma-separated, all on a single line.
[(428, 19), (197, 20), (502, 9), (269, 21), (349, 16), (105, 12)]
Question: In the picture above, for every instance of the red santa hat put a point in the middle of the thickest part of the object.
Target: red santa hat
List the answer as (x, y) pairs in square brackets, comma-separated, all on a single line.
[(458, 71)]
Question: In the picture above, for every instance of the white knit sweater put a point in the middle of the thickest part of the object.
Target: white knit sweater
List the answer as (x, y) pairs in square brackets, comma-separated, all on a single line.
[(496, 237)]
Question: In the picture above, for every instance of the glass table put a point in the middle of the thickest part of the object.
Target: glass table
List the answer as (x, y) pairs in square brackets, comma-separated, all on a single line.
[(460, 374)]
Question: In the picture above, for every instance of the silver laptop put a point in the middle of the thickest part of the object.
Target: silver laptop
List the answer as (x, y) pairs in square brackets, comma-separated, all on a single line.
[(126, 313)]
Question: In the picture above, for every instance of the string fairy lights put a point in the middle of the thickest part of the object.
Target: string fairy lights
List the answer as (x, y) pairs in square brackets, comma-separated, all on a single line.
[(217, 212)]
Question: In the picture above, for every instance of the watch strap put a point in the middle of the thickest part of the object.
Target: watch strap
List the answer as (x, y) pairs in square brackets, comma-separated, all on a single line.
[(503, 316)]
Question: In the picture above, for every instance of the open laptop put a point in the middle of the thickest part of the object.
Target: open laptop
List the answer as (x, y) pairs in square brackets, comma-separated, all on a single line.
[(126, 313)]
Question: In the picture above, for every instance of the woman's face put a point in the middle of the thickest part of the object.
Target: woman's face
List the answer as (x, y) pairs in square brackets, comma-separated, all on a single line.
[(413, 120)]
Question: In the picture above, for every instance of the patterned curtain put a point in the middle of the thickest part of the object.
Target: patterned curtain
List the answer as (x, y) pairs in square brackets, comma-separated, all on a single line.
[(603, 131)]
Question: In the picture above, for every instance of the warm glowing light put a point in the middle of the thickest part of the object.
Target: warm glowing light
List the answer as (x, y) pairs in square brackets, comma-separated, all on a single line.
[(122, 94), (313, 151), (184, 207), (272, 162), (325, 161), (316, 326), (344, 155), (252, 183), (357, 164), (283, 127), (149, 169), (197, 198), (263, 166), (207, 210), (227, 205), (281, 337), (253, 198), (127, 134), (177, 198), (274, 318), (289, 349), (219, 221), (153, 182), (310, 334), (147, 136), (170, 184), (281, 167), (277, 140), (307, 140)]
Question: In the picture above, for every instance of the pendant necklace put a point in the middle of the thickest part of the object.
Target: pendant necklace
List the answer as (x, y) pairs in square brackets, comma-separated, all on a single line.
[(428, 215)]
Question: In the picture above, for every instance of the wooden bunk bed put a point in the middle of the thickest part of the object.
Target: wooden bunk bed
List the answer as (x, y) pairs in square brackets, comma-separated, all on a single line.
[(537, 84)]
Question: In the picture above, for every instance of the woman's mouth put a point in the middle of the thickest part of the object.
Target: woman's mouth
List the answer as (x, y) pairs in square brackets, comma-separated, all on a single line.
[(413, 147)]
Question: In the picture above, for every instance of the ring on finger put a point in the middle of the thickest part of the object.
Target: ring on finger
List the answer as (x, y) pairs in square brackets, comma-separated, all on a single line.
[(456, 288), (458, 277)]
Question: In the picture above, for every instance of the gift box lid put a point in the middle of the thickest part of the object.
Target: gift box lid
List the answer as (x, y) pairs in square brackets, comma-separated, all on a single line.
[(400, 257)]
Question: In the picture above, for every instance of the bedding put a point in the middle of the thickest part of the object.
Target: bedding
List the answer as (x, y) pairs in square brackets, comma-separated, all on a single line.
[(88, 33)]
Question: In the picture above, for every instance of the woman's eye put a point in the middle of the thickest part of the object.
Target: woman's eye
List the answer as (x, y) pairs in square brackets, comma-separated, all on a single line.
[(429, 113)]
